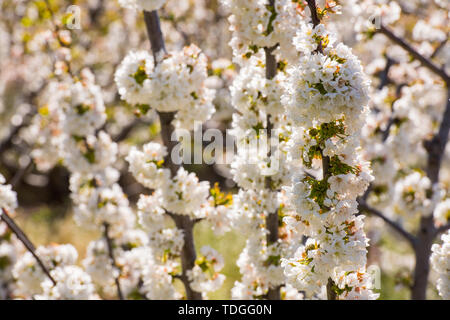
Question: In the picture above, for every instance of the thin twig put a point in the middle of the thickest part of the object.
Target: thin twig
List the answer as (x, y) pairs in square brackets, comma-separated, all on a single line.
[(126, 130), (25, 240), (408, 236), (109, 244), (425, 61), (20, 174)]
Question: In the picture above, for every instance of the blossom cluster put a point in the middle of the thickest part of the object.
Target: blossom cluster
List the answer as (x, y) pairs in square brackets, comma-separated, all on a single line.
[(72, 283), (256, 24), (176, 83), (440, 260), (326, 96)]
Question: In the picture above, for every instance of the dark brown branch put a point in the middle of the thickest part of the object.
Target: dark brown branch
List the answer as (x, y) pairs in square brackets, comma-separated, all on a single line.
[(109, 245), (154, 33), (313, 8), (331, 294), (384, 74), (126, 130), (315, 20), (188, 254), (436, 146), (25, 241), (165, 119), (442, 229), (425, 61), (408, 236), (271, 63), (8, 141), (17, 178)]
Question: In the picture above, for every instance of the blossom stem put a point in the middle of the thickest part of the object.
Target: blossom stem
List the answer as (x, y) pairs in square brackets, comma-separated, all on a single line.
[(25, 241), (109, 245)]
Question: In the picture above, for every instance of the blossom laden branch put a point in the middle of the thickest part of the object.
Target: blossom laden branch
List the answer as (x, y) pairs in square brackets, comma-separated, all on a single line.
[(272, 217), (184, 223)]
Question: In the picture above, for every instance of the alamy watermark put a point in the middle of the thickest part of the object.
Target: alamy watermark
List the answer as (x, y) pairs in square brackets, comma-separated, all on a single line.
[(212, 146), (73, 17)]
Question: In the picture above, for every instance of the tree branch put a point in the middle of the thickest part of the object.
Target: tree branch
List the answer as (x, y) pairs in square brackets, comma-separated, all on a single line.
[(17, 178), (7, 142), (25, 241), (439, 48), (331, 294), (109, 245), (436, 146), (315, 20), (126, 130), (313, 8), (425, 61), (154, 33), (442, 229), (408, 236)]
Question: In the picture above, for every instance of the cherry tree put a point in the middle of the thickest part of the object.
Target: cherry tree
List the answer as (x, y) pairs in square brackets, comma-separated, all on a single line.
[(337, 109)]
